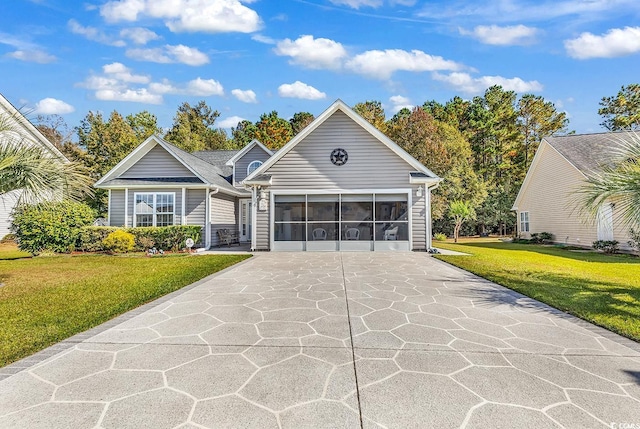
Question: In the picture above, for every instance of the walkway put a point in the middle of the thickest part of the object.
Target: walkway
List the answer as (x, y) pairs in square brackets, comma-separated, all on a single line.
[(330, 340)]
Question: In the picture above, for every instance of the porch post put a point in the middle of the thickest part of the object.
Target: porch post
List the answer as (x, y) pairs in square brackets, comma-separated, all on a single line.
[(254, 215), (126, 207), (207, 225), (427, 209), (183, 221)]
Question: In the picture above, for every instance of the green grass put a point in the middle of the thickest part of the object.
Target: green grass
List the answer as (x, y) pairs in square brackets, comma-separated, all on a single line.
[(9, 251), (47, 299), (603, 289)]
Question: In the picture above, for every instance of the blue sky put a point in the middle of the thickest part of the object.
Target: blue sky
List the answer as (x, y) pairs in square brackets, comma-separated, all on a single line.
[(247, 57)]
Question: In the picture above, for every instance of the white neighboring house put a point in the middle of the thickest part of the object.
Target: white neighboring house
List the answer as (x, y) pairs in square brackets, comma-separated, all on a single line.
[(28, 134)]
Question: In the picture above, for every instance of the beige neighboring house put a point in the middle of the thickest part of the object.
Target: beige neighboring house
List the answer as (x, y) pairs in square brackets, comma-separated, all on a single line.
[(546, 201), (24, 132)]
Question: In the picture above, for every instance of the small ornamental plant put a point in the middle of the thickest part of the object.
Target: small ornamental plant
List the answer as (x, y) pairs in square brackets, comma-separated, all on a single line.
[(119, 242)]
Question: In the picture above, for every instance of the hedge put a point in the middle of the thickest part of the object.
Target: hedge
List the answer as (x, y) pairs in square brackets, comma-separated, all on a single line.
[(166, 238), (50, 226)]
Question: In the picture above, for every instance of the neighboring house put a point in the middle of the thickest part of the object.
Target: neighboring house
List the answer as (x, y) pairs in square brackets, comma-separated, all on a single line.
[(547, 201), (24, 132), (340, 184)]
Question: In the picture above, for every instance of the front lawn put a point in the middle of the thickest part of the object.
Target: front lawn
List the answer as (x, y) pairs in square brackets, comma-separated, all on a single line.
[(603, 289), (10, 251), (44, 300)]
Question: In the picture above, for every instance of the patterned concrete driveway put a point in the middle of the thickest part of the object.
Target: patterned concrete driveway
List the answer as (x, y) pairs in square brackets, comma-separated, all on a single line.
[(330, 340)]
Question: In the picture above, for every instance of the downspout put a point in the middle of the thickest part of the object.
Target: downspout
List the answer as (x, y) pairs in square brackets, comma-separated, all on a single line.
[(429, 220), (254, 215)]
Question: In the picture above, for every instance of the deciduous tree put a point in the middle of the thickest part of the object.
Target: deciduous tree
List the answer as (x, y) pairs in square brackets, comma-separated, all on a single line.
[(373, 112)]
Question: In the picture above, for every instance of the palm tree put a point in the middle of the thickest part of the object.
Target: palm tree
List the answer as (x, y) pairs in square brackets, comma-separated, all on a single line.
[(34, 171), (617, 183)]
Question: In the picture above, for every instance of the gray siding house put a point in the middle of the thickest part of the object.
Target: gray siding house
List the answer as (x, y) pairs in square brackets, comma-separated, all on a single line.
[(339, 185)]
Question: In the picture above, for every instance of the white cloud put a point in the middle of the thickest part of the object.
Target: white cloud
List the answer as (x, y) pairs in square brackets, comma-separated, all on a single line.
[(186, 55), (312, 53), (399, 102), (246, 96), (197, 87), (231, 121), (140, 95), (138, 35), (92, 33), (475, 85), (300, 90), (153, 55), (617, 42), (169, 54), (123, 73), (382, 64), (52, 106), (263, 39), (210, 16), (32, 56), (115, 84), (508, 35), (204, 87)]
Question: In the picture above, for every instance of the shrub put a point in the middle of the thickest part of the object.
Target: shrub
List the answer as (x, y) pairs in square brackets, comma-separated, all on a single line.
[(50, 226), (91, 237), (146, 243), (607, 246), (440, 237), (119, 241), (635, 239), (166, 237), (541, 237)]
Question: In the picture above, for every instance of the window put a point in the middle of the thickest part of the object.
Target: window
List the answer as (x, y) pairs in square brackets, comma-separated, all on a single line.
[(253, 166), (524, 221), (154, 209)]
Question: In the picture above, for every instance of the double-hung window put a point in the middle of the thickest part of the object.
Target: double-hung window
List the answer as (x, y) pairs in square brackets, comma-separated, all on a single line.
[(154, 209), (524, 221)]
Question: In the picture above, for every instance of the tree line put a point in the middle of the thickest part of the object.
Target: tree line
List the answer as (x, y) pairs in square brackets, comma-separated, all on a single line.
[(482, 147)]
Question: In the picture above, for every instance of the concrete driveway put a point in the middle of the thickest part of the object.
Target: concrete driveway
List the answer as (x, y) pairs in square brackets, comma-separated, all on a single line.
[(333, 340)]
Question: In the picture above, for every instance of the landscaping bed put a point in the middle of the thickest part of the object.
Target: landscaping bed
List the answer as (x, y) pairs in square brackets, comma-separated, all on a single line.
[(46, 299), (603, 289)]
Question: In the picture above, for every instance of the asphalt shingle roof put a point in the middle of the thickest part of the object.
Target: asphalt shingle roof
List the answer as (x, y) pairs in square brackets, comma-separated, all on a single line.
[(216, 174), (589, 152)]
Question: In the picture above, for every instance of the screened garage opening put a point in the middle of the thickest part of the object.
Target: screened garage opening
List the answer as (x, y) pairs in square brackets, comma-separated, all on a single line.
[(345, 222)]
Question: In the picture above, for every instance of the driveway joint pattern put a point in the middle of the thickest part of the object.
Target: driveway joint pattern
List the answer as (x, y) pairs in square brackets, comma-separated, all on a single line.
[(349, 340)]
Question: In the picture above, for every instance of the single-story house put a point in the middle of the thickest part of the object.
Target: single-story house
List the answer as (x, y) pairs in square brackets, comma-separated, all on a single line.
[(547, 199), (340, 184), (21, 131)]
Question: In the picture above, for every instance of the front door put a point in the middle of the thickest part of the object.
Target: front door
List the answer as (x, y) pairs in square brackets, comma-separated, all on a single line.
[(605, 222), (245, 220)]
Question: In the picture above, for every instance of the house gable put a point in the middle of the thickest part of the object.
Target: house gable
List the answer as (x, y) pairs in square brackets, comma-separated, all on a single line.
[(157, 162), (373, 159), (254, 151), (127, 168), (370, 163)]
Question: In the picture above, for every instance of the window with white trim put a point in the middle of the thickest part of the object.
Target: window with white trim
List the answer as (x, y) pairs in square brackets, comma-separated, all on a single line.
[(253, 166), (524, 221), (154, 209)]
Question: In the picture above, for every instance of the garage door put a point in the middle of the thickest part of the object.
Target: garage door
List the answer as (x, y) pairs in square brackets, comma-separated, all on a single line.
[(341, 222)]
